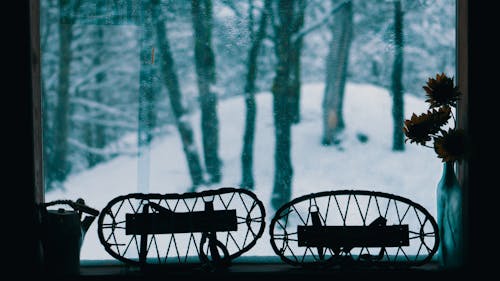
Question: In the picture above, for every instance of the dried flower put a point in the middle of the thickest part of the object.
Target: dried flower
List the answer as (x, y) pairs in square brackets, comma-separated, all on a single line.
[(450, 145), (421, 128), (441, 91)]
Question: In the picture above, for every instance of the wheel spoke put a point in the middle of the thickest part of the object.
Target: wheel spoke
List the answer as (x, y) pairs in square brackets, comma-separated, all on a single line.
[(404, 215), (300, 217), (327, 209), (246, 236), (236, 243), (387, 208), (367, 208), (397, 210), (113, 227), (244, 204), (153, 238), (418, 217), (404, 253), (133, 238), (118, 209), (359, 209), (132, 206), (291, 251), (287, 239), (418, 252), (176, 248)]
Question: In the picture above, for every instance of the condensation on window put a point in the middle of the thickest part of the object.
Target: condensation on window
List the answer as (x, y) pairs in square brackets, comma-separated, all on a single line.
[(166, 96)]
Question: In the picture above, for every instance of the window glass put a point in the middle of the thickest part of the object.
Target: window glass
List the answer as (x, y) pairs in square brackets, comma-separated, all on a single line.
[(157, 97)]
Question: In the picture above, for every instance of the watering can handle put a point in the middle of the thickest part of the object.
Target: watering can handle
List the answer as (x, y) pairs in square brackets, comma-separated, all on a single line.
[(79, 205)]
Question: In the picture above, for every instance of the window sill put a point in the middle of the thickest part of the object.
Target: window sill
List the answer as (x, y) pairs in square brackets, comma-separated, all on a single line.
[(261, 271)]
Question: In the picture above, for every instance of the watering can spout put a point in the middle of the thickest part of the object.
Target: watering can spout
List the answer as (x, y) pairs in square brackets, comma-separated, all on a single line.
[(87, 221), (80, 206)]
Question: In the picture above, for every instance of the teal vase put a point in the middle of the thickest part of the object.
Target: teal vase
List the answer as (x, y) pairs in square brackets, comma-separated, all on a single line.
[(450, 218)]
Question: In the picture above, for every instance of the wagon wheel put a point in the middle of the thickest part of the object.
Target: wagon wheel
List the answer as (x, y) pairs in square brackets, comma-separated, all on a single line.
[(180, 248), (354, 207), (112, 228), (250, 219), (284, 238)]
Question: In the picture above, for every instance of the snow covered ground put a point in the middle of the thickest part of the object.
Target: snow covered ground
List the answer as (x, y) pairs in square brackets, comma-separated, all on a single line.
[(372, 165)]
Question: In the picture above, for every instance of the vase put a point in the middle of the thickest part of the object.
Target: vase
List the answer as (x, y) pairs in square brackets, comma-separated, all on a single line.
[(450, 218)]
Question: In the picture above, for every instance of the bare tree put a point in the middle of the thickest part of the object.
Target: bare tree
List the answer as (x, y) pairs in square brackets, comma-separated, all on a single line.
[(296, 50), (201, 11), (59, 162), (170, 78), (95, 133), (397, 80), (247, 180), (286, 22), (336, 72)]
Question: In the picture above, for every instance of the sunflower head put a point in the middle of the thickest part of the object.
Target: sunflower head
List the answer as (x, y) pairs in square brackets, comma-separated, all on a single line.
[(450, 146), (441, 91), (420, 128)]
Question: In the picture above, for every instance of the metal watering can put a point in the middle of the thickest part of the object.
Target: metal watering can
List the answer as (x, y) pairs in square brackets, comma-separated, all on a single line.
[(62, 235)]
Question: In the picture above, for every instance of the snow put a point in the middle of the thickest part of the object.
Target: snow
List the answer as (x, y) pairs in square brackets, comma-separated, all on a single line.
[(371, 165)]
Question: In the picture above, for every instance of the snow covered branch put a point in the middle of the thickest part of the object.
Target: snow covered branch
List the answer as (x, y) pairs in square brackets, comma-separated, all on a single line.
[(106, 123), (110, 150), (91, 74), (306, 30), (102, 107), (231, 5)]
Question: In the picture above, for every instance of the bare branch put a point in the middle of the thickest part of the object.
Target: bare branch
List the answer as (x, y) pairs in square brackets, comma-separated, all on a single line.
[(306, 30), (91, 74), (106, 123), (230, 4), (100, 106), (108, 151), (308, 3)]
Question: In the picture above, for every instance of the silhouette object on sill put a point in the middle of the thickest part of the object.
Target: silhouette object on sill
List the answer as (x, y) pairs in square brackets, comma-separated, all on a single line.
[(355, 228), (207, 229), (63, 232)]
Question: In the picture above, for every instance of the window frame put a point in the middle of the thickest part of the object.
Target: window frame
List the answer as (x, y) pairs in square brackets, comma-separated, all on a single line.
[(98, 268)]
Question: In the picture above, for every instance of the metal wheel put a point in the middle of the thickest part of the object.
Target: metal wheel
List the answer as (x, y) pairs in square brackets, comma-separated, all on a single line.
[(189, 228), (356, 227)]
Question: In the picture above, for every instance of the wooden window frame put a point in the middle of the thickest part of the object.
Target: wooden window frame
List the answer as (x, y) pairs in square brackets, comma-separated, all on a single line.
[(462, 78)]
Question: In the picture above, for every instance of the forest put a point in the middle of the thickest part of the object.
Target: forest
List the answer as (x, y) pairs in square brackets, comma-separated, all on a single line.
[(112, 69)]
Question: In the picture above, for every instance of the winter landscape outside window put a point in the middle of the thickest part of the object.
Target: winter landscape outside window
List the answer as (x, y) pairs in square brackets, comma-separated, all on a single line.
[(176, 96)]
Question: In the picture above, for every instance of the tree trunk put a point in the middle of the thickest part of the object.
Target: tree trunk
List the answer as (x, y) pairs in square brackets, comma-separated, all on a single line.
[(397, 83), (247, 180), (60, 165), (282, 103), (201, 11), (296, 50), (167, 67), (295, 80), (336, 74)]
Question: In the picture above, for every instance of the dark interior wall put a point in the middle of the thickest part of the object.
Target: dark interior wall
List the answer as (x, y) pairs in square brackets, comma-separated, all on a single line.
[(18, 220), (483, 65)]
